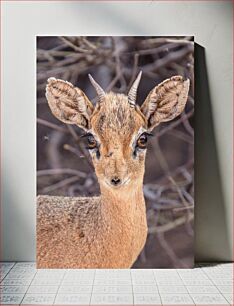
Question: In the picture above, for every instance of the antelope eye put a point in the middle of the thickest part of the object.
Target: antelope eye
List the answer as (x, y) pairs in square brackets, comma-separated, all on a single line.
[(91, 142), (142, 141)]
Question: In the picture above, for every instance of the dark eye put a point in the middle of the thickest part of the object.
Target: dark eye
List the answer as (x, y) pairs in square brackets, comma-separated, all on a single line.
[(142, 141), (91, 142)]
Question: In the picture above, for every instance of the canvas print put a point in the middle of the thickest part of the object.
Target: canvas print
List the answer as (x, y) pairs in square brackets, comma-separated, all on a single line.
[(115, 152)]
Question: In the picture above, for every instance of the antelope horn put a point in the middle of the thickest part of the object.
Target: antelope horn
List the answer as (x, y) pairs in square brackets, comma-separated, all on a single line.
[(100, 92), (133, 90)]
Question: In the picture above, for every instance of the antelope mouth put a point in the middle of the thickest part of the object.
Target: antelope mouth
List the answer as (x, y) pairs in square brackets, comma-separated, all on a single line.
[(126, 181)]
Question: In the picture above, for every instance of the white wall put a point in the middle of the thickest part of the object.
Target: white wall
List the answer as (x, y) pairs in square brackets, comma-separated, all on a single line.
[(211, 24)]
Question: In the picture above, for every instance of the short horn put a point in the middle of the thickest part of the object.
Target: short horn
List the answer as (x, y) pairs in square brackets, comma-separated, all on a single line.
[(133, 90), (100, 92)]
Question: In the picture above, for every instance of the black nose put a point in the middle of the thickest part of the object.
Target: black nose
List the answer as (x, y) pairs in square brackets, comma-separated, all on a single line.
[(115, 181)]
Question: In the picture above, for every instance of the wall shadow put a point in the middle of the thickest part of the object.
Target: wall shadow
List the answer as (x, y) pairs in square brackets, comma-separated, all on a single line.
[(211, 232), (18, 225)]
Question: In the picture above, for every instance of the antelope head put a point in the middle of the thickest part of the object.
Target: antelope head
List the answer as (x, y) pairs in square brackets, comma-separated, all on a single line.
[(117, 128)]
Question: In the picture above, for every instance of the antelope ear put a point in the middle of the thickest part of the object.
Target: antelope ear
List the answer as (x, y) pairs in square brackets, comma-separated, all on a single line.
[(68, 103), (165, 101)]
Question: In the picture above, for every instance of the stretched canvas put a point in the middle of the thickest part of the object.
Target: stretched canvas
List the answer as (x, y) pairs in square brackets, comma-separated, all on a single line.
[(115, 152)]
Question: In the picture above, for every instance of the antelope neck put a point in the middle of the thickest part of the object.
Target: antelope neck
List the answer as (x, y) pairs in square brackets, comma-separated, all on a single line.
[(122, 203)]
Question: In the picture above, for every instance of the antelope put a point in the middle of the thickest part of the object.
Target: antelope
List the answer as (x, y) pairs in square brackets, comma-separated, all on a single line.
[(110, 230)]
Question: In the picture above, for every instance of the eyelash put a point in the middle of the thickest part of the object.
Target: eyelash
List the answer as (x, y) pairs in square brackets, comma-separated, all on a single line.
[(89, 136), (92, 143), (139, 146), (142, 142), (144, 138), (95, 148)]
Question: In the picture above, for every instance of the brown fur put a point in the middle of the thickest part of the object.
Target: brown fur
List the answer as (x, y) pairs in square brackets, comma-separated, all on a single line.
[(107, 231)]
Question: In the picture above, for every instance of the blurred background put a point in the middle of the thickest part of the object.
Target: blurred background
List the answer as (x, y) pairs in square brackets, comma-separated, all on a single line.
[(63, 164)]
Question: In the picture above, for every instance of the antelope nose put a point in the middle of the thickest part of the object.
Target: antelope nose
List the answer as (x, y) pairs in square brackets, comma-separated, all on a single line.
[(115, 181)]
